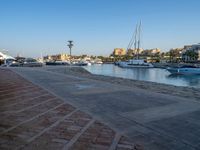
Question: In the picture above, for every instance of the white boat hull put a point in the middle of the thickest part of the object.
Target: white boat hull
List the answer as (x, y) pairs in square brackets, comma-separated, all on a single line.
[(135, 64), (184, 70)]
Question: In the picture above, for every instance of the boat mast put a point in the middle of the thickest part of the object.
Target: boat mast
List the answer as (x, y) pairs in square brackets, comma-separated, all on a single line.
[(136, 39), (133, 40), (136, 32), (138, 42)]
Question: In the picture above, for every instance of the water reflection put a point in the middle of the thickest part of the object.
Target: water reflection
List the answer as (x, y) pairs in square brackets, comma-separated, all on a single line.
[(192, 80), (152, 74)]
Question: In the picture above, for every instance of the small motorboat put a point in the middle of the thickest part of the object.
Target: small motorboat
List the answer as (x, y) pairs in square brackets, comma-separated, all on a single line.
[(184, 70), (56, 63), (83, 63)]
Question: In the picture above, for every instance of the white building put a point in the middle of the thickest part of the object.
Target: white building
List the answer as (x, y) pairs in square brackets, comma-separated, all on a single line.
[(194, 48)]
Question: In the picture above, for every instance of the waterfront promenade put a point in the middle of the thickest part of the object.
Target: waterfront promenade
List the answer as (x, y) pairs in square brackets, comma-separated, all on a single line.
[(34, 119), (78, 112)]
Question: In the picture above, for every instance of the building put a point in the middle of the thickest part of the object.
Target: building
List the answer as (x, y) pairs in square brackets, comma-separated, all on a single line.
[(191, 53), (132, 52), (119, 52), (155, 51), (63, 57), (58, 57), (187, 47), (46, 58), (151, 52)]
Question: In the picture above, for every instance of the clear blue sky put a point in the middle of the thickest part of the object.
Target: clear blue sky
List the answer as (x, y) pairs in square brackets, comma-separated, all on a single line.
[(32, 27)]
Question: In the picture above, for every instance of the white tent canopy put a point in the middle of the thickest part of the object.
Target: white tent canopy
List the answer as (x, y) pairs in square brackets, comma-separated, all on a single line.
[(4, 56)]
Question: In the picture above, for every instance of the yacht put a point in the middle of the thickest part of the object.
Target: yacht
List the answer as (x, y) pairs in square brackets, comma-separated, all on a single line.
[(135, 63)]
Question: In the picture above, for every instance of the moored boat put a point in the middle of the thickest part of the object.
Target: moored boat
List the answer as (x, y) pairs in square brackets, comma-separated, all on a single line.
[(83, 63), (184, 70), (56, 63), (135, 63)]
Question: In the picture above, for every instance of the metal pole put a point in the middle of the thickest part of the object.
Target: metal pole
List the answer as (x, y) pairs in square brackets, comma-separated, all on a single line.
[(70, 48), (70, 51)]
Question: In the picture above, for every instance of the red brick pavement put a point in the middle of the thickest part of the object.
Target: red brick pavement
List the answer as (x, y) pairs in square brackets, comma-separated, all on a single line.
[(32, 118)]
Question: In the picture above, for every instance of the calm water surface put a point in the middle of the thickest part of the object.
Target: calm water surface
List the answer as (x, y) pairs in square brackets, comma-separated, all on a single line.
[(152, 74)]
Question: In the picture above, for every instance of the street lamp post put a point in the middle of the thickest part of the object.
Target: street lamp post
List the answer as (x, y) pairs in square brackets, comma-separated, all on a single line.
[(70, 48)]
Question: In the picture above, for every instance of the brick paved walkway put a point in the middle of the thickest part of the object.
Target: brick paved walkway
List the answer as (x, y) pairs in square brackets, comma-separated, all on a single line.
[(33, 118)]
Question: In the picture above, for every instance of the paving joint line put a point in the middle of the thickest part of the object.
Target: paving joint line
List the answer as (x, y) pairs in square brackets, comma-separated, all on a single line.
[(22, 95), (26, 100), (4, 89), (76, 137), (17, 88), (53, 125), (18, 111), (13, 85), (115, 141), (42, 87), (21, 92), (35, 117)]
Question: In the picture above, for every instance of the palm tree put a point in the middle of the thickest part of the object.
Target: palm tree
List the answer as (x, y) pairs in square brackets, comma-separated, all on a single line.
[(192, 55)]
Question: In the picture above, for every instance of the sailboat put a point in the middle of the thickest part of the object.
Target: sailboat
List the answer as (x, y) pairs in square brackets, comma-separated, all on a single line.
[(135, 63)]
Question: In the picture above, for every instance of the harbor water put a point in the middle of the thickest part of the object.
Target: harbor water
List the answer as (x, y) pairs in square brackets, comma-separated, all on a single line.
[(151, 74)]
